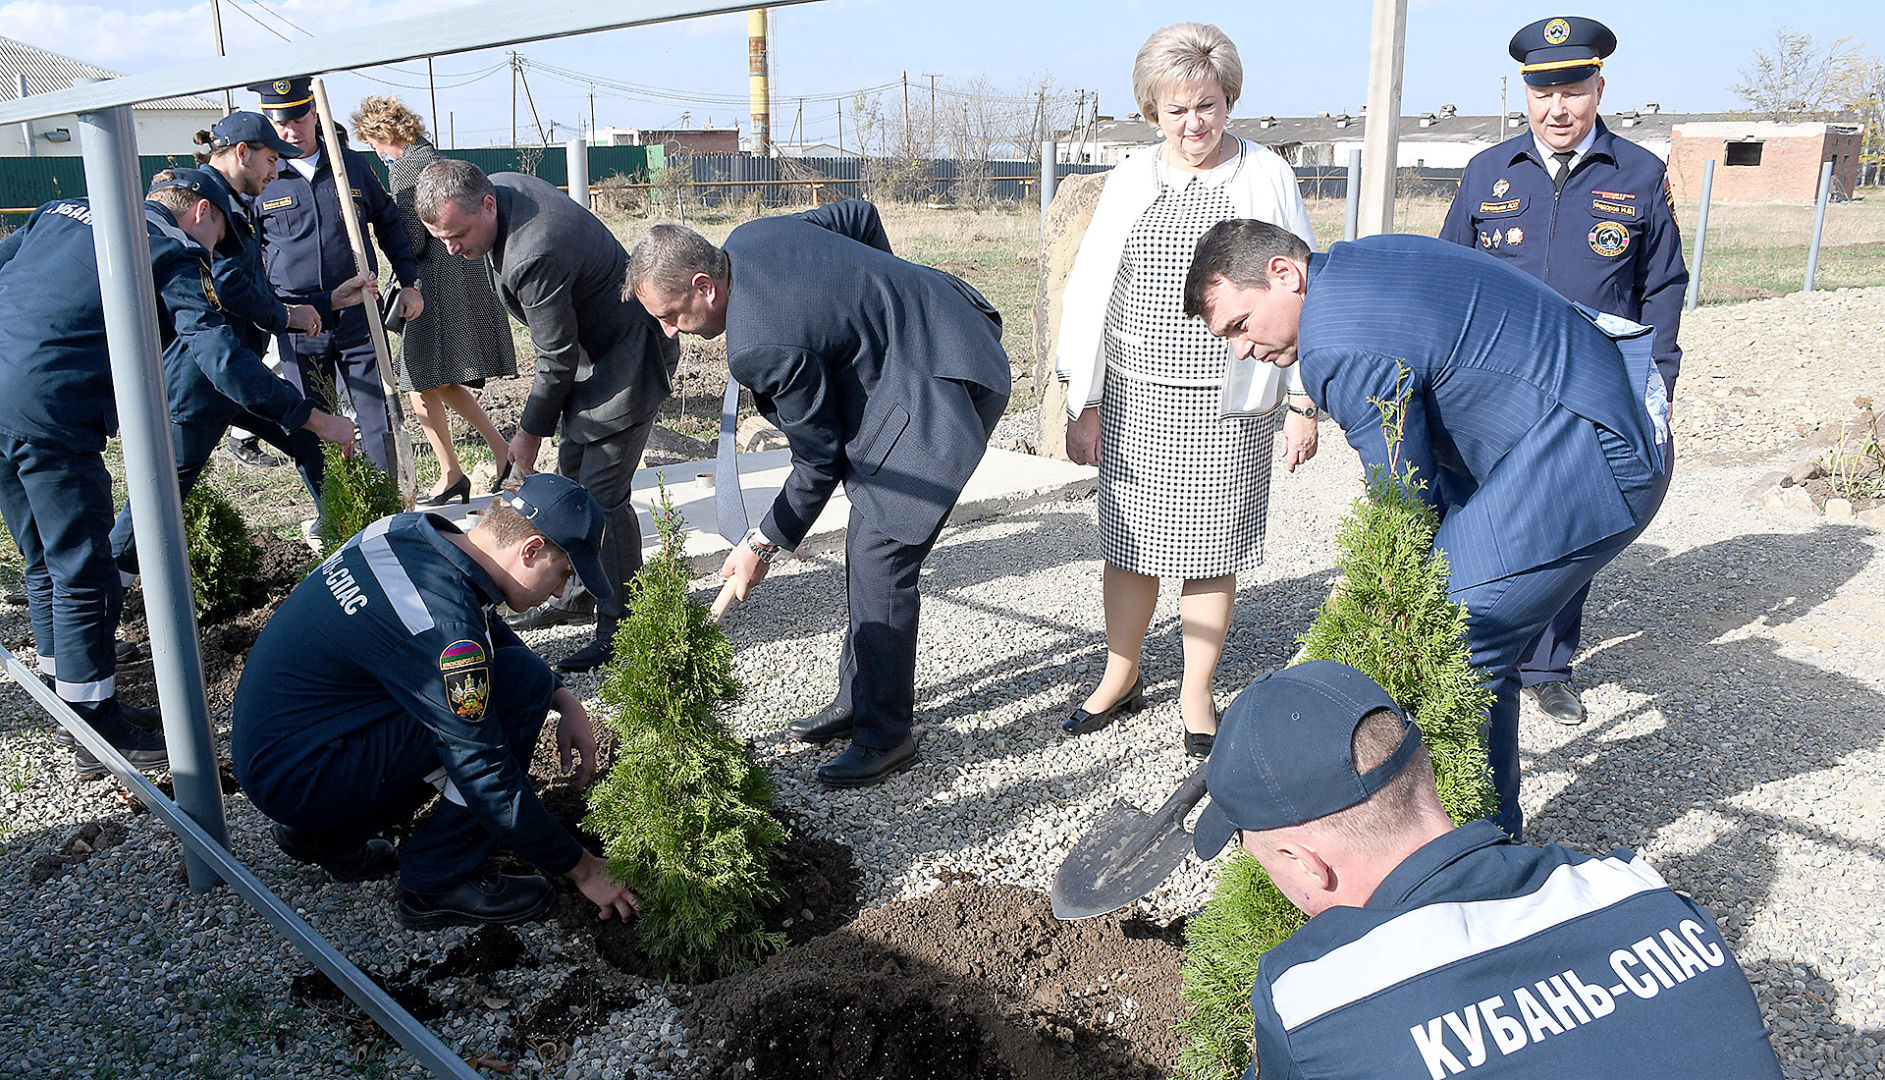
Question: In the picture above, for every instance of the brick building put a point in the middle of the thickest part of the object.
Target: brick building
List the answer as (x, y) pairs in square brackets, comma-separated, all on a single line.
[(673, 140), (1763, 160)]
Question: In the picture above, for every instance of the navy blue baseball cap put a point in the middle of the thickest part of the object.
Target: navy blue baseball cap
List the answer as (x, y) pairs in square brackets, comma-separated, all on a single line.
[(569, 517), (1283, 756), (199, 181), (1562, 49), (248, 127), (286, 99)]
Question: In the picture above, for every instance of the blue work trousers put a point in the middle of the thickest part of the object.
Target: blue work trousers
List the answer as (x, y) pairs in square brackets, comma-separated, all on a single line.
[(338, 796), (344, 353), (57, 505), (193, 442)]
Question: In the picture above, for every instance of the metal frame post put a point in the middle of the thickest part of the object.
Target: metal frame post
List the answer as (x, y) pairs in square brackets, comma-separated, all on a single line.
[(1701, 236), (1050, 176), (108, 140), (1819, 224), (1354, 195), (577, 160), (26, 126)]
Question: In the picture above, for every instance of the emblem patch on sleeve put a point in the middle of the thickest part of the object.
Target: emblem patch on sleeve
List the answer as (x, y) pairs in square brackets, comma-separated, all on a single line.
[(1609, 239), (209, 290), (467, 678)]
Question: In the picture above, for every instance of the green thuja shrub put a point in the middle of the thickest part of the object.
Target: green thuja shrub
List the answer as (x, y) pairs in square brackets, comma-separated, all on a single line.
[(223, 558), (354, 494), (686, 816), (1390, 619)]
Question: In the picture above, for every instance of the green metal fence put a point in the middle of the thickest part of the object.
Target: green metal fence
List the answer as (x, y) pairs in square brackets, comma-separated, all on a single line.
[(26, 183)]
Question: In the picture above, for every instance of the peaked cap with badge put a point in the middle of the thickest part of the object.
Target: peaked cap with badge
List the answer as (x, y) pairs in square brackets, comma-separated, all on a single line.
[(285, 99), (1562, 49)]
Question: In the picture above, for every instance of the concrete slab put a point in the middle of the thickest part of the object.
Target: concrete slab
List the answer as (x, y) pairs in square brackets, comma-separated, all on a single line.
[(1004, 481)]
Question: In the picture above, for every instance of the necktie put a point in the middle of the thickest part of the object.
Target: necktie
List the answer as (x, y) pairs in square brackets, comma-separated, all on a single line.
[(1563, 173), (729, 505)]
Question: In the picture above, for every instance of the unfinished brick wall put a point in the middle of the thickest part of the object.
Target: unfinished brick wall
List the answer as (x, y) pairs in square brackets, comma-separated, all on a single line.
[(1789, 168)]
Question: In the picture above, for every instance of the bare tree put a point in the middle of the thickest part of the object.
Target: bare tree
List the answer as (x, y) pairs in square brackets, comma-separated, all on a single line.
[(1800, 77)]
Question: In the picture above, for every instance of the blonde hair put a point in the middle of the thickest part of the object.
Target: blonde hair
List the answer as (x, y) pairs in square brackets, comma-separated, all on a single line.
[(386, 119), (1183, 53)]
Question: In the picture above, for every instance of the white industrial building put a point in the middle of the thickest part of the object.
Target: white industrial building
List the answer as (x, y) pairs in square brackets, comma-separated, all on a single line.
[(163, 127)]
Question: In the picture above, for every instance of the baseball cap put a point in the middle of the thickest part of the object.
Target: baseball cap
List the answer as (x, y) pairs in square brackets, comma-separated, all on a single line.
[(1561, 49), (209, 187), (569, 517), (1283, 752), (249, 127)]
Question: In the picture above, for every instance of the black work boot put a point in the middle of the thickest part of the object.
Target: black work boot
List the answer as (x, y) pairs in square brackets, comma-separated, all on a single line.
[(143, 748), (574, 608), (373, 859), (593, 655), (489, 898)]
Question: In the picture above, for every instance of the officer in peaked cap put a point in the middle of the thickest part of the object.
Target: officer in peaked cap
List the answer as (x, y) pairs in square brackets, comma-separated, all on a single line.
[(308, 257), (1590, 215), (1432, 950)]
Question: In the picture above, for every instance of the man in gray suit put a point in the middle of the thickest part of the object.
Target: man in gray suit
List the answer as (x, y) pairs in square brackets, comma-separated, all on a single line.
[(885, 376), (603, 364)]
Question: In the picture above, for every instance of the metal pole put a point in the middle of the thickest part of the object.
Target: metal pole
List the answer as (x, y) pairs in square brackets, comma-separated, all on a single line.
[(216, 24), (108, 140), (1050, 180), (577, 157), (26, 126), (1701, 237), (1354, 195), (1819, 223), (432, 85), (1385, 56)]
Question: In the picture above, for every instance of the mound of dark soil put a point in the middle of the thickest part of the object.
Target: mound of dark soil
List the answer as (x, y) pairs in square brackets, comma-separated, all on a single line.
[(225, 642), (972, 982), (85, 841)]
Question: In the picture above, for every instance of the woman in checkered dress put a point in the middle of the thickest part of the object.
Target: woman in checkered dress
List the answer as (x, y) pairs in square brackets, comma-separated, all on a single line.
[(1184, 473), (464, 337)]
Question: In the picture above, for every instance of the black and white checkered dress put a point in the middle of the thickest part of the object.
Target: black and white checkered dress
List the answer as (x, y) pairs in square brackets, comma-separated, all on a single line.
[(464, 335), (1183, 493)]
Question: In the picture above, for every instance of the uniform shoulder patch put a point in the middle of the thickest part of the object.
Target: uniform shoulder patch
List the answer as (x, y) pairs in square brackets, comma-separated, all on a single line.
[(278, 204), (1669, 196), (465, 668), (209, 289)]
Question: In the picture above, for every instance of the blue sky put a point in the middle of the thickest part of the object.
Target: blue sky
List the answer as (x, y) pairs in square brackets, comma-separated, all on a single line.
[(1299, 58)]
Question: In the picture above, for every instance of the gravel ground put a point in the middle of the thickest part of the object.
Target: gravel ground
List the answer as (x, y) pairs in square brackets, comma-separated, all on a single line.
[(1736, 733)]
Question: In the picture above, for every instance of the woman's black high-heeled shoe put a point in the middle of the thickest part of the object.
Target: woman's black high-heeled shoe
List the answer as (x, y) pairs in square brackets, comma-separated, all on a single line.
[(503, 474), (461, 490), (1198, 743), (1082, 722)]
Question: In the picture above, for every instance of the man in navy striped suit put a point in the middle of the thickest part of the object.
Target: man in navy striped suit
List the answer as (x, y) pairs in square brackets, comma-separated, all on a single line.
[(1537, 428)]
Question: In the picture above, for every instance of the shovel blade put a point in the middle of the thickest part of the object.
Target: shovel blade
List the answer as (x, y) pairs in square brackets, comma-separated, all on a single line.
[(1126, 855)]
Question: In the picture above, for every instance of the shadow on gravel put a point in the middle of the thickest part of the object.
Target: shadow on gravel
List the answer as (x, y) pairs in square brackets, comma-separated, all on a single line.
[(1686, 635)]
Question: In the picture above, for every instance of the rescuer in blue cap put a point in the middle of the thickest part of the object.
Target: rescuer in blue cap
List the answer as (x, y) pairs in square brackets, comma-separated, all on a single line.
[(1590, 215), (57, 410), (386, 678), (210, 389), (309, 257), (1434, 951)]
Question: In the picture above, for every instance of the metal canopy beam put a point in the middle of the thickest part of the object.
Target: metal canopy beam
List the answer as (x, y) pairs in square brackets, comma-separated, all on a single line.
[(492, 24)]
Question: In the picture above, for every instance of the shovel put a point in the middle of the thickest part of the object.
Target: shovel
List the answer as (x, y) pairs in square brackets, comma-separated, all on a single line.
[(1126, 855)]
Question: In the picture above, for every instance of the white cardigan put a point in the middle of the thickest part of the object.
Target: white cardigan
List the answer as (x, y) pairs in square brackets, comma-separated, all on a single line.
[(1264, 188)]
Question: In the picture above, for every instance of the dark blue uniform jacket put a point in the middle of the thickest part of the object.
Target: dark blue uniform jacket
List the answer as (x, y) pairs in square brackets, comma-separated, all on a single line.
[(307, 250), (1609, 240), (1478, 957), (398, 621), (55, 370)]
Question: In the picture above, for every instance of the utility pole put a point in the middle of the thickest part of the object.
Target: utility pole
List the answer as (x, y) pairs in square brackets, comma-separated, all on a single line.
[(532, 102), (433, 86), (840, 125), (216, 24), (513, 99), (909, 148), (452, 119), (935, 122), (592, 111), (1501, 137), (1380, 140)]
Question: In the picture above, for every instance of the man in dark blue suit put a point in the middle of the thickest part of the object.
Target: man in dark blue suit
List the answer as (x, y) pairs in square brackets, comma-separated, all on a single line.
[(1537, 428), (885, 376), (1588, 214)]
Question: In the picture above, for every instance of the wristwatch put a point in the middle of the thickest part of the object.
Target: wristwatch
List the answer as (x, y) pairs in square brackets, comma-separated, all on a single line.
[(1311, 411), (766, 552)]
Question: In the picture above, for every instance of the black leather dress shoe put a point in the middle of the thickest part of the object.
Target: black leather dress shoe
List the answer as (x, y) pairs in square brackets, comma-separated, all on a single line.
[(831, 722), (554, 613), (1198, 743), (370, 861), (249, 452), (1558, 701), (1082, 722), (862, 766), (491, 898), (589, 657)]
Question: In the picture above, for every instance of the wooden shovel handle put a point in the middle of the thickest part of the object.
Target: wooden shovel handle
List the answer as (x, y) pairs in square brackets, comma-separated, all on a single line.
[(721, 603)]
